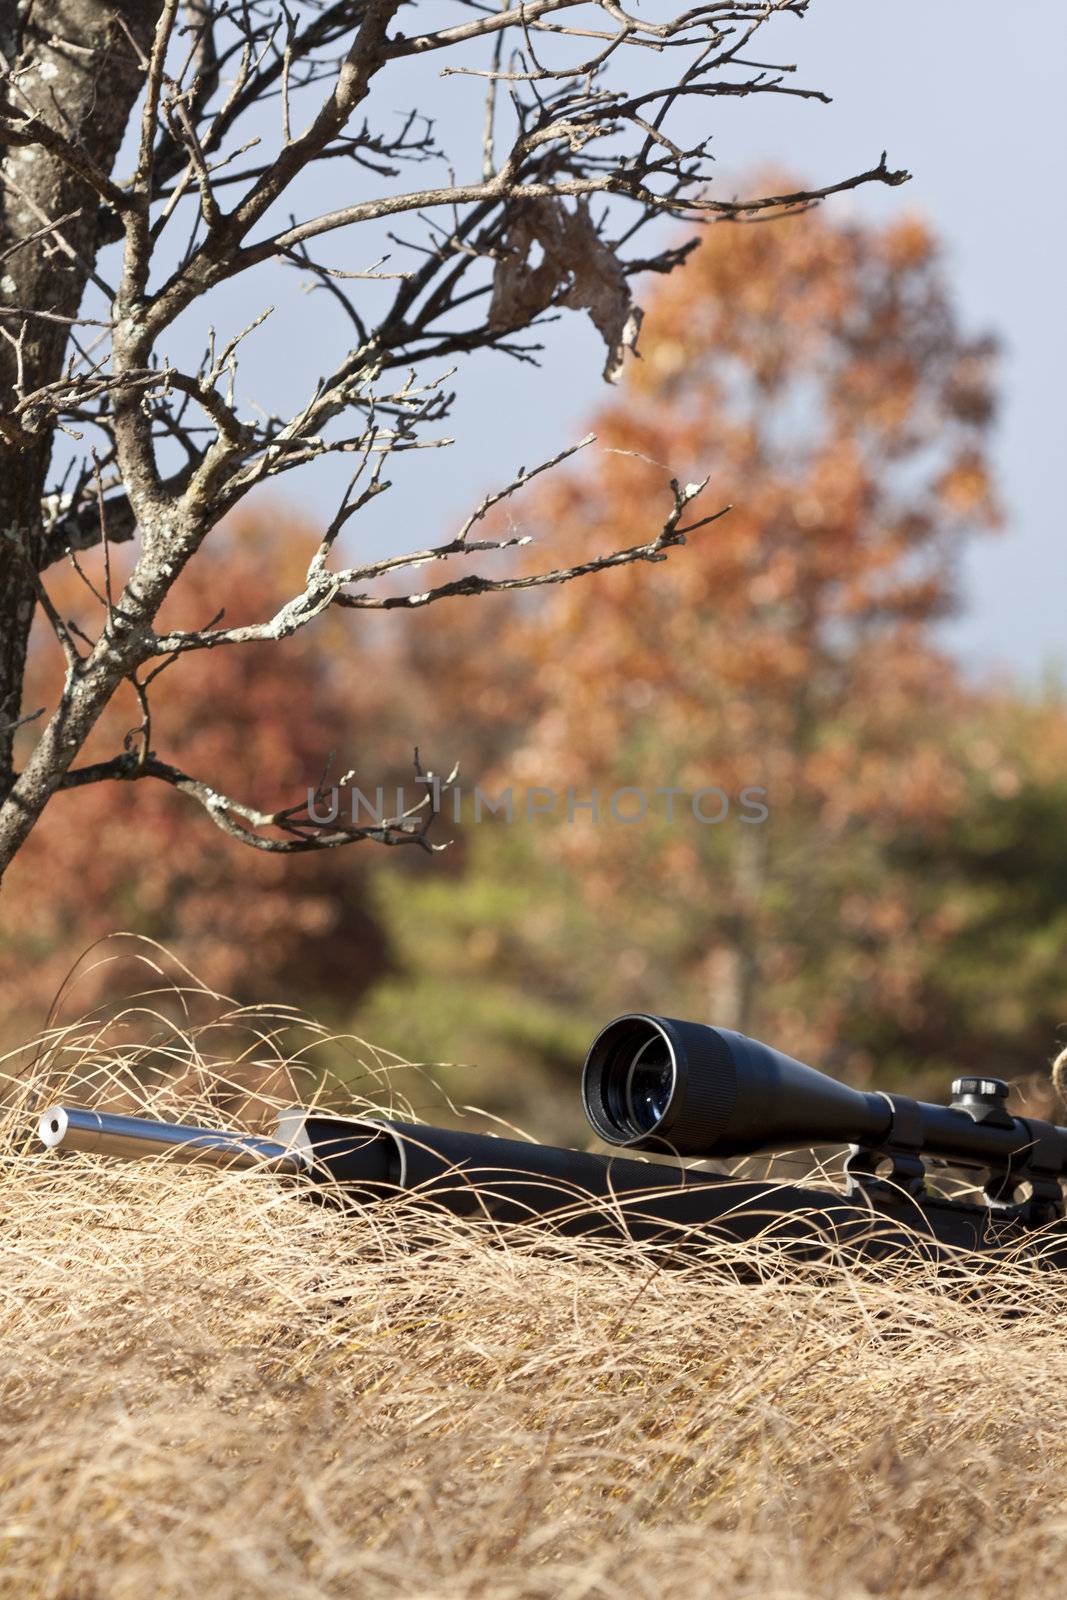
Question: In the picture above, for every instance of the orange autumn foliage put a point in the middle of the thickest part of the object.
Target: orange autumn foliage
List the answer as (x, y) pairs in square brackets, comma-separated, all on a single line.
[(815, 373)]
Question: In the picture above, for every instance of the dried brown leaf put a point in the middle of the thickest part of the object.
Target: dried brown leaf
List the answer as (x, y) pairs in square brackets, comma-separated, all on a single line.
[(576, 261)]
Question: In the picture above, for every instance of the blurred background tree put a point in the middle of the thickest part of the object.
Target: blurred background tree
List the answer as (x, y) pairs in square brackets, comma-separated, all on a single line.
[(899, 914), (250, 924)]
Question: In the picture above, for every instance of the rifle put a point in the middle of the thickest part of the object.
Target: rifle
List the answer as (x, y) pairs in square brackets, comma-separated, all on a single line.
[(656, 1084)]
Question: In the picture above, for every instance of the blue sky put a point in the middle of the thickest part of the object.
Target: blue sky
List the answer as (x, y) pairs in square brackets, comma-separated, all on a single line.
[(970, 98)]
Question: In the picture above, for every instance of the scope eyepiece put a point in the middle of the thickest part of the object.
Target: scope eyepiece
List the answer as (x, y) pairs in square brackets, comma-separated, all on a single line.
[(656, 1083)]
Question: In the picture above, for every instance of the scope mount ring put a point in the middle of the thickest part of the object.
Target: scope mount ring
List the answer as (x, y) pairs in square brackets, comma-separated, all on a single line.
[(892, 1170), (1039, 1170)]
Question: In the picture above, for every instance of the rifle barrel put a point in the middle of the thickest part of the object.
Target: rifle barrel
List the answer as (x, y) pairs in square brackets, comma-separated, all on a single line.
[(133, 1138)]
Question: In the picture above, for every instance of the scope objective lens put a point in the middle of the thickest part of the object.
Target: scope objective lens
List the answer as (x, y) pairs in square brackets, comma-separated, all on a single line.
[(649, 1083)]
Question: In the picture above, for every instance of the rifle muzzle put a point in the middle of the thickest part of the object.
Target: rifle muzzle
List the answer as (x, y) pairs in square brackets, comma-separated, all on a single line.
[(104, 1133)]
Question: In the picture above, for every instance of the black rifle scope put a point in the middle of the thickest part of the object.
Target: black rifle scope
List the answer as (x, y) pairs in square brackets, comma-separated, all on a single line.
[(654, 1083)]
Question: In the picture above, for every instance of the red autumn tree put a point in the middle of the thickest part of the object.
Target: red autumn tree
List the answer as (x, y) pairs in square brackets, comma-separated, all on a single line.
[(816, 373), (259, 925)]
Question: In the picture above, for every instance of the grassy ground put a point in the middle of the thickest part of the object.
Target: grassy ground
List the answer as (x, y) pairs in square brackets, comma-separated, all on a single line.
[(211, 1389)]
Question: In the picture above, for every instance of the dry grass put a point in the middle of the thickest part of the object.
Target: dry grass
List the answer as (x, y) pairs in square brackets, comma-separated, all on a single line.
[(213, 1389)]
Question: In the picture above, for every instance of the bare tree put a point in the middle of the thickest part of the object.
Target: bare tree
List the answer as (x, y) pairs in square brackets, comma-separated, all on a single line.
[(110, 433)]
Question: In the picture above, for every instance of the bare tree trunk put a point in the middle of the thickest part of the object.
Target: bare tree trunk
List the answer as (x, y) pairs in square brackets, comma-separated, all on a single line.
[(83, 78), (21, 485)]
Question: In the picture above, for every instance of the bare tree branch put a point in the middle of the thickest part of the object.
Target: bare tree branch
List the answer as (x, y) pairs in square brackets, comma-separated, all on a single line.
[(325, 588), (157, 447), (302, 829)]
